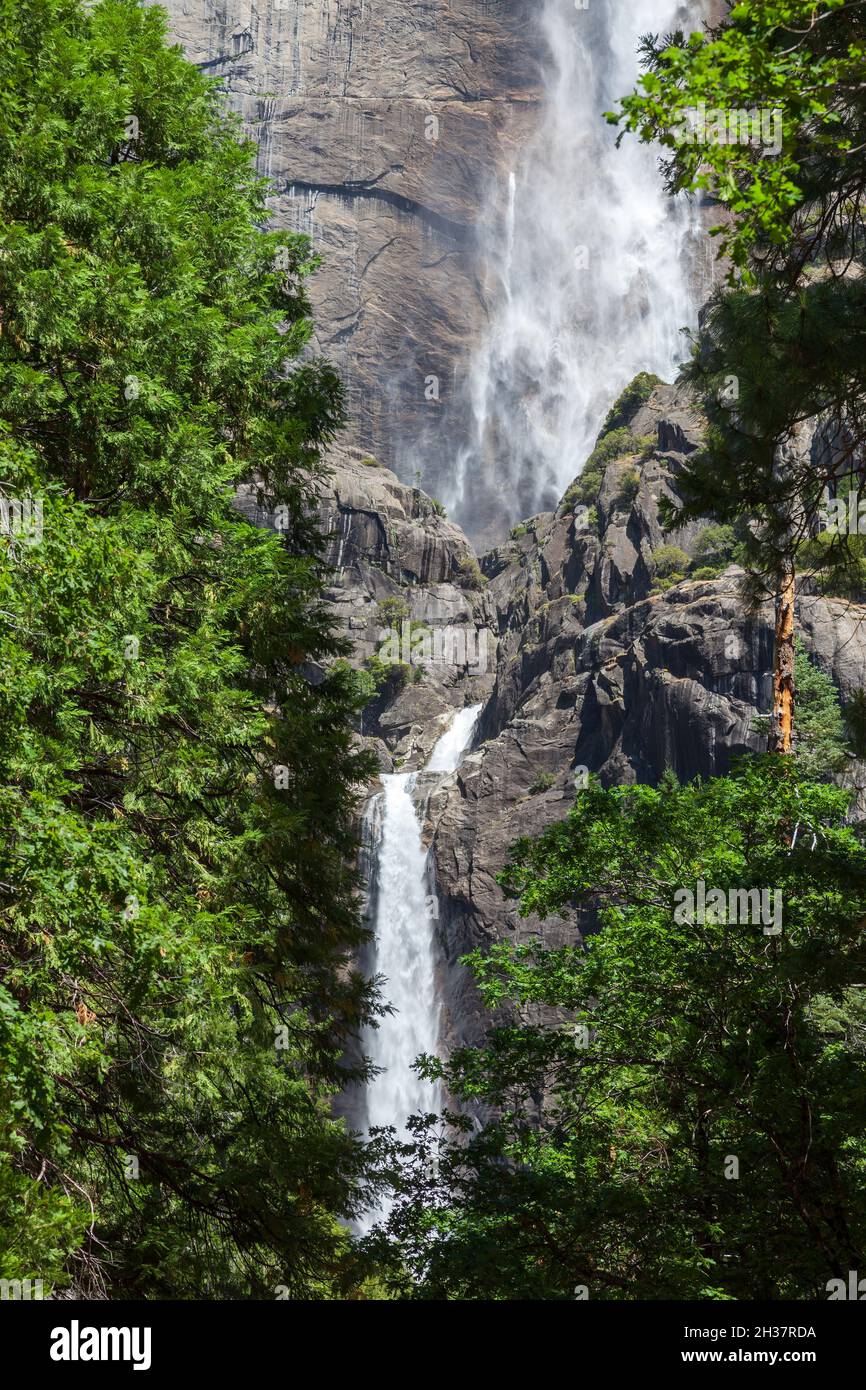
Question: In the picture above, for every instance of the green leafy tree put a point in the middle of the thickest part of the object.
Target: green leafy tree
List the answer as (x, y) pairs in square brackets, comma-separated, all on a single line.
[(177, 910), (678, 1102), (793, 181)]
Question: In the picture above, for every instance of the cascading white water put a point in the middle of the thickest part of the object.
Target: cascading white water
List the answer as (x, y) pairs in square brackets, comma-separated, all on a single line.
[(592, 268), (405, 948), (405, 957), (453, 744)]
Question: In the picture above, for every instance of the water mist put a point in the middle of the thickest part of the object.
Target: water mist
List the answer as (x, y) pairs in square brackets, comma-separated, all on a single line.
[(591, 267)]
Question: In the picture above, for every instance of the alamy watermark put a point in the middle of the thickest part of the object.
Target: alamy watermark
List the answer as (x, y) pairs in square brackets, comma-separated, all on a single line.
[(21, 519), (843, 516), (417, 645), (738, 906), (854, 1290), (22, 1290), (77, 1343), (759, 127)]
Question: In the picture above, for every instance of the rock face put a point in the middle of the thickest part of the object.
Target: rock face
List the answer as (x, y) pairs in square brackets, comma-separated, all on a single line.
[(408, 588), (381, 127), (595, 662)]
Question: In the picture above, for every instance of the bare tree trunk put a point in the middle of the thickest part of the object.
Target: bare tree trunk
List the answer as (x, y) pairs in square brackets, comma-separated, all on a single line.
[(782, 726)]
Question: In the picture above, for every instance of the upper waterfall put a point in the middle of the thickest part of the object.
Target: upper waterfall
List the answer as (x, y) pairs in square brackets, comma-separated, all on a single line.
[(591, 271)]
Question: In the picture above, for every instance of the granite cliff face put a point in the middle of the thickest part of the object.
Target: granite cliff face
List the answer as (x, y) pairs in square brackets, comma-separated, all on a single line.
[(402, 138), (594, 661), (404, 576), (382, 128)]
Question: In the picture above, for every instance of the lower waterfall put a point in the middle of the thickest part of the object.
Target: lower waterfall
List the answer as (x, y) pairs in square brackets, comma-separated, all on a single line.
[(405, 948)]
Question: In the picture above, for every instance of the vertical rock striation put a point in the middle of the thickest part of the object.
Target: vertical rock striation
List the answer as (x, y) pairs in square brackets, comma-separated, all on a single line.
[(381, 127)]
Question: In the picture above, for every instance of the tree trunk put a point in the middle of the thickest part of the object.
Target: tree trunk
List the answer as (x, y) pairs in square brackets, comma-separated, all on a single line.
[(782, 726)]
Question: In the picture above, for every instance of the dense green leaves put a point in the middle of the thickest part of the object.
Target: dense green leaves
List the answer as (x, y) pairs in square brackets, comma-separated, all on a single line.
[(679, 1105), (799, 65), (176, 765)]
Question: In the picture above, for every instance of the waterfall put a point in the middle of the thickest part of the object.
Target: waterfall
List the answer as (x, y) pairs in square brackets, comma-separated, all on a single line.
[(405, 948), (593, 270), (405, 957)]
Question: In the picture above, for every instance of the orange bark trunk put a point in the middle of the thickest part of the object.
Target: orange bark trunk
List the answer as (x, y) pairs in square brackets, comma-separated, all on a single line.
[(782, 728)]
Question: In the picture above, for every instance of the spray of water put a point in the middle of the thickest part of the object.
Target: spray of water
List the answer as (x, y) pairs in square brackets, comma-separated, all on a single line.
[(591, 266), (453, 744)]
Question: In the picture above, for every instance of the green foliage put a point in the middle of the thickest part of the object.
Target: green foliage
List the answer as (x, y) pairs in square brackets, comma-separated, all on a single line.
[(392, 611), (835, 565), (469, 575), (671, 565), (715, 547), (39, 1227), (619, 443), (388, 677), (628, 487), (636, 394), (791, 357), (679, 1046), (543, 782), (176, 804), (782, 344), (716, 544), (801, 59), (820, 734), (388, 672), (359, 684), (822, 745)]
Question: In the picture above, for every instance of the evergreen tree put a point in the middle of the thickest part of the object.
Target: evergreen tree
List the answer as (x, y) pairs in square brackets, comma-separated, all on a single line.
[(822, 747), (176, 765)]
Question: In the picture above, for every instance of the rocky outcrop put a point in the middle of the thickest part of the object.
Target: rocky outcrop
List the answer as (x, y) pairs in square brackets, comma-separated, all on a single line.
[(601, 660), (382, 128), (603, 669), (409, 590)]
